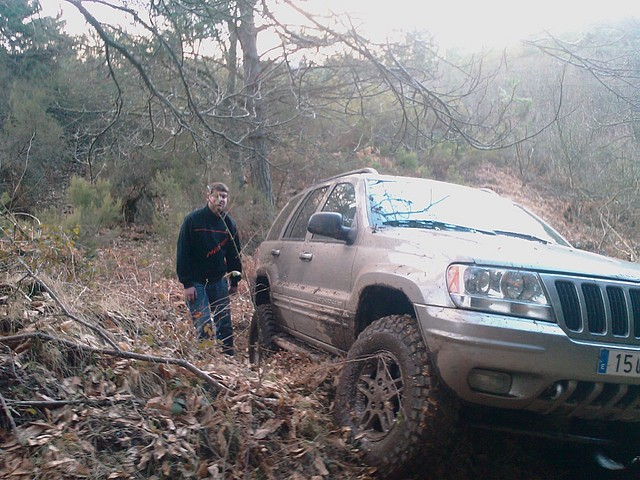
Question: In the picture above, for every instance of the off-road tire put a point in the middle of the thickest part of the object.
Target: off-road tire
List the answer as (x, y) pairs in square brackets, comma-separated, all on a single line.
[(388, 394), (261, 332)]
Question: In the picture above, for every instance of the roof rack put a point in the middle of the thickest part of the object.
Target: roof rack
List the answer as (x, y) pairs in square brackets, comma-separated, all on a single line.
[(352, 172)]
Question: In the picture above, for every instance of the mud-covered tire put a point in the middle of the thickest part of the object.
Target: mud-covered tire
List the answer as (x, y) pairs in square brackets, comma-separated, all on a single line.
[(261, 332), (388, 394)]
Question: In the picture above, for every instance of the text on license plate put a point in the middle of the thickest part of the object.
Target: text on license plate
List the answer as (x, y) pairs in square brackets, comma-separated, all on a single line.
[(619, 362)]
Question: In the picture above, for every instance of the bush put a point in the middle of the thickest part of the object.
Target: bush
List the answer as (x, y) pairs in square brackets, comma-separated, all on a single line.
[(94, 211), (407, 160), (93, 205), (171, 206)]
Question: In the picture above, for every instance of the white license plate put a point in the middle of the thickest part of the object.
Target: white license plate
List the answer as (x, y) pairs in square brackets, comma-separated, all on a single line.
[(619, 362)]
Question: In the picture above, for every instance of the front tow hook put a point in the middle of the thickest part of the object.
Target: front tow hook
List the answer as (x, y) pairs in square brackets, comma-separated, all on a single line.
[(608, 463)]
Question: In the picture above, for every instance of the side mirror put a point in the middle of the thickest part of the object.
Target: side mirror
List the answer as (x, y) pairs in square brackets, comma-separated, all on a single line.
[(329, 224)]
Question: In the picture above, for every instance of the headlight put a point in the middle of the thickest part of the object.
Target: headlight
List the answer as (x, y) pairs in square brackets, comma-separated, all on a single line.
[(500, 290)]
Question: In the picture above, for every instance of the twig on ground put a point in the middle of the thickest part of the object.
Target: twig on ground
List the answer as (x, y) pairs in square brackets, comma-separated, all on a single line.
[(7, 412), (630, 252), (119, 353), (62, 403), (66, 311)]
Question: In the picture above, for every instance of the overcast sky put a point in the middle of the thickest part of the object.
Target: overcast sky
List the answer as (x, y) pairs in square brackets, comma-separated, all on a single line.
[(477, 23), (463, 23)]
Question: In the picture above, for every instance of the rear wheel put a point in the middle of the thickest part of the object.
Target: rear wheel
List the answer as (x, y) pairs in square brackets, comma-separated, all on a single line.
[(389, 396), (261, 332)]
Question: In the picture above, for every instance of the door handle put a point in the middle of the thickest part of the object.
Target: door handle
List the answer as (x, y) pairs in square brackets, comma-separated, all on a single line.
[(305, 256), (275, 252)]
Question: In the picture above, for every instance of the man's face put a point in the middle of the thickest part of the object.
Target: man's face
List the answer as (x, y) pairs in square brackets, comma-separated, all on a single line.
[(217, 201)]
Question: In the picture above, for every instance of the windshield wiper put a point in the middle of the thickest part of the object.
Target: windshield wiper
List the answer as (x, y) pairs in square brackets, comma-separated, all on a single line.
[(432, 225), (452, 227), (525, 236)]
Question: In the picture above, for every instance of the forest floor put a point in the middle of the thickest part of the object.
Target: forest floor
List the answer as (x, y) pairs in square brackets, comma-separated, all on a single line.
[(101, 378)]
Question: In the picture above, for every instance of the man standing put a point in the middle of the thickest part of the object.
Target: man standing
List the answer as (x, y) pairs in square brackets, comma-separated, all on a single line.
[(208, 252)]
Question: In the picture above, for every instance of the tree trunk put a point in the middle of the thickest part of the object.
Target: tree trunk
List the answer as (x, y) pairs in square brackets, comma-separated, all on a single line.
[(235, 158), (258, 161)]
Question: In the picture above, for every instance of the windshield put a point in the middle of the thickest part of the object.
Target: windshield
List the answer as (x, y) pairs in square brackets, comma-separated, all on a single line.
[(429, 204)]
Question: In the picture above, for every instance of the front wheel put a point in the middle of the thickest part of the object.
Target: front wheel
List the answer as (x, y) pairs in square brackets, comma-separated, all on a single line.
[(391, 399)]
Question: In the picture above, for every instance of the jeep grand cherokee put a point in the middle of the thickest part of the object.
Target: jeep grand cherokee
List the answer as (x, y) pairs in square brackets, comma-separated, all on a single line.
[(442, 295)]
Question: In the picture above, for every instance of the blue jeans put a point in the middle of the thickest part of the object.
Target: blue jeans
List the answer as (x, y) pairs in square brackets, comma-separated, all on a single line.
[(212, 299)]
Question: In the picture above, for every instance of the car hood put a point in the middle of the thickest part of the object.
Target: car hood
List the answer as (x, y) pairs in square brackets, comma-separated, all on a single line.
[(506, 251)]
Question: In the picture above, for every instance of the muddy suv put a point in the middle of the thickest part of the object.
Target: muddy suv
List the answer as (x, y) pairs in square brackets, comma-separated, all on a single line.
[(444, 297)]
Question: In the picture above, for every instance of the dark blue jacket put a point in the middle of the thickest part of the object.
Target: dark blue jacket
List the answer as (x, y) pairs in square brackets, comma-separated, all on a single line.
[(208, 248)]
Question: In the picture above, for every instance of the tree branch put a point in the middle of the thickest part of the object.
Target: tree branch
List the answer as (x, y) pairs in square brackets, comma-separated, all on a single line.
[(12, 339), (62, 403), (66, 311), (7, 412)]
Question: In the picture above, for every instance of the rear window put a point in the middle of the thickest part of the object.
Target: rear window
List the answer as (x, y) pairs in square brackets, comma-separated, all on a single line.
[(297, 228), (278, 224)]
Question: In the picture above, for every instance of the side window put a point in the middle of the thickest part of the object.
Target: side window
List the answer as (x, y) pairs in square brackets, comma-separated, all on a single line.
[(297, 228), (276, 228), (342, 200)]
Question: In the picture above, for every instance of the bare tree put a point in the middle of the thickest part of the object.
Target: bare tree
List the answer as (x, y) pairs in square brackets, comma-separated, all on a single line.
[(594, 147), (184, 53)]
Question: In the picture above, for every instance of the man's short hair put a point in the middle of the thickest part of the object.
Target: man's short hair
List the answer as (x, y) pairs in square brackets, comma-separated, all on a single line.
[(217, 187)]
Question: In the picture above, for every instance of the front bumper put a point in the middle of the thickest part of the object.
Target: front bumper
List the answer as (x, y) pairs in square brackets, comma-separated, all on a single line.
[(551, 373)]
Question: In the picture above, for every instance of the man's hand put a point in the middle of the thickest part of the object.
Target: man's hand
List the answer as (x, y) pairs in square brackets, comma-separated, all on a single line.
[(190, 294), (233, 290)]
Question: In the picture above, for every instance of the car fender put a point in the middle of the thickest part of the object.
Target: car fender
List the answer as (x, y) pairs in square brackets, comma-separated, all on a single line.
[(420, 286)]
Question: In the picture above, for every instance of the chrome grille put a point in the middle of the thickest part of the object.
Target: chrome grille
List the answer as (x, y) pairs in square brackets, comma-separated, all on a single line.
[(619, 314), (596, 309), (634, 294)]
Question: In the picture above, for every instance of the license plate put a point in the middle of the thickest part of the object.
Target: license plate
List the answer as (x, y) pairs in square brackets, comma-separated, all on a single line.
[(619, 362)]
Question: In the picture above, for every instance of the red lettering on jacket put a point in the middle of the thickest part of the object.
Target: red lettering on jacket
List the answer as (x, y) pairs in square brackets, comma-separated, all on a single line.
[(217, 247)]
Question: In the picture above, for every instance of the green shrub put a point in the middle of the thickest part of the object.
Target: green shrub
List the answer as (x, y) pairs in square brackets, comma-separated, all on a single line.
[(407, 160), (94, 207), (171, 205), (94, 214)]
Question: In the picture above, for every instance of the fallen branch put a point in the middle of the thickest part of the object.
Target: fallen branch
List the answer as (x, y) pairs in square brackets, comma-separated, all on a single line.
[(118, 353), (14, 289), (630, 252), (62, 403), (12, 218), (66, 311), (12, 422)]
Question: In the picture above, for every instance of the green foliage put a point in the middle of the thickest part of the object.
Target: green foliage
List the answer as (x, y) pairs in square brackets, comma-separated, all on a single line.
[(131, 179), (31, 143), (15, 30), (45, 247), (93, 205), (58, 250), (407, 160), (94, 211), (171, 206), (30, 121), (443, 161), (31, 138)]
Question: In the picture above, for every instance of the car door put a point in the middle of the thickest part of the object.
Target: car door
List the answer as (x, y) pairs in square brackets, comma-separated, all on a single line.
[(320, 281), (285, 259), (273, 255)]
